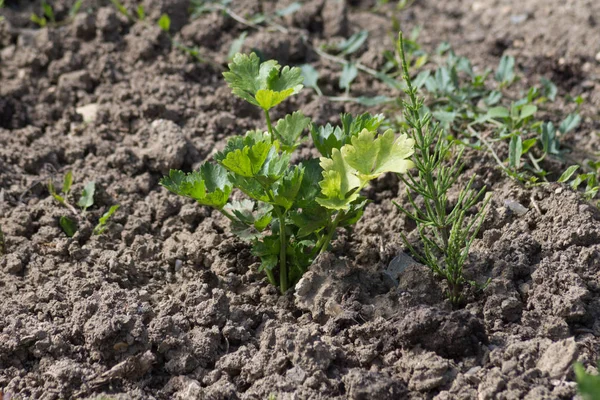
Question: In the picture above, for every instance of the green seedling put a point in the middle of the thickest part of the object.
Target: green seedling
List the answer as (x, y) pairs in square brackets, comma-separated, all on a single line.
[(446, 232), (588, 385), (100, 228), (1, 6), (69, 223), (48, 18), (291, 212)]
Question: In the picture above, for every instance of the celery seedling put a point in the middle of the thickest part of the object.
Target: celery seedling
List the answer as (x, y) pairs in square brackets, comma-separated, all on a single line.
[(446, 236), (293, 211)]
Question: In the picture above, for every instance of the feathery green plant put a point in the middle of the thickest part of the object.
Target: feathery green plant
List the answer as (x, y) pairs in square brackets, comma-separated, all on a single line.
[(292, 211), (446, 236)]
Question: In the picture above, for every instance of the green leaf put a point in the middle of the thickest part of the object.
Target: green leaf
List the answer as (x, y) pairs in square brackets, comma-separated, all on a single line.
[(371, 156), (248, 161), (588, 385), (326, 138), (68, 226), (288, 188), (353, 43), (209, 185), (339, 179), (164, 22), (498, 112), (48, 12), (505, 73), (349, 73), (571, 122), (549, 89), (289, 130), (527, 110), (568, 173), (292, 8), (100, 228), (274, 167), (515, 150), (75, 8), (141, 12), (121, 8), (52, 191), (41, 21), (87, 196), (309, 188), (67, 182), (251, 218), (550, 142), (309, 220), (493, 98), (310, 74), (368, 101), (528, 144), (262, 84), (236, 45), (267, 98)]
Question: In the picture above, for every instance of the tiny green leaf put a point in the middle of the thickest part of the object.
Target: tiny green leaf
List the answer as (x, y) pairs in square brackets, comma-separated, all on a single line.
[(141, 12), (568, 173), (100, 228), (75, 8), (515, 150), (549, 89), (236, 45), (67, 182), (571, 122), (338, 180), (164, 22), (68, 226), (349, 73), (48, 12), (87, 196), (588, 385), (353, 43), (505, 73)]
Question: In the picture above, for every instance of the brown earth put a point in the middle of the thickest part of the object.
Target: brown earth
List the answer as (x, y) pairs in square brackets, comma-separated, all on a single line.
[(169, 305)]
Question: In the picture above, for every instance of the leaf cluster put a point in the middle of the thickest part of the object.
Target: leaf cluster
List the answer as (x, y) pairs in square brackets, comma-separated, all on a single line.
[(291, 211), (588, 385)]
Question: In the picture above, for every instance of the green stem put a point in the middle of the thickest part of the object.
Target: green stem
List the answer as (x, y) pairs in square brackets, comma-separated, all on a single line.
[(283, 272), (329, 236), (269, 126)]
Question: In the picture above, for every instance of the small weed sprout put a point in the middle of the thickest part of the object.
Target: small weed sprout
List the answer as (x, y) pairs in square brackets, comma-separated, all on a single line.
[(292, 211), (86, 200), (446, 236)]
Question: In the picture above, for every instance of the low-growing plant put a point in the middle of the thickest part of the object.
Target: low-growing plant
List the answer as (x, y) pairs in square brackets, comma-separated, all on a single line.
[(86, 200), (588, 385), (291, 212), (446, 232)]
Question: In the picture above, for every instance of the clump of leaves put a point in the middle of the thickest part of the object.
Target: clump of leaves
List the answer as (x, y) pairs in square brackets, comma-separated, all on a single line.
[(86, 199), (291, 212), (446, 235), (588, 385)]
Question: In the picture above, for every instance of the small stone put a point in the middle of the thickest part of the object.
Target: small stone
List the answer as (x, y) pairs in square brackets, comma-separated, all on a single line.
[(516, 207), (598, 56), (88, 112)]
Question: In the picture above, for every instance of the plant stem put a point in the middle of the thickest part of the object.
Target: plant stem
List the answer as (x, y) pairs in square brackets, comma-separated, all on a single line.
[(332, 228), (283, 272), (269, 126)]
